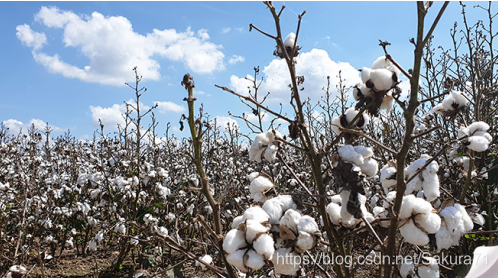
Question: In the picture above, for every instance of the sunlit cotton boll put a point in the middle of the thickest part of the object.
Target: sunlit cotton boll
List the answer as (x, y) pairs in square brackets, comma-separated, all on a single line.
[(388, 177), (260, 184), (412, 234), (237, 259), (234, 240), (253, 228), (92, 245), (406, 269), (264, 246), (207, 259), (291, 220), (254, 260), (431, 270), (255, 213), (285, 262), (305, 241), (334, 211), (429, 222), (307, 224), (382, 79)]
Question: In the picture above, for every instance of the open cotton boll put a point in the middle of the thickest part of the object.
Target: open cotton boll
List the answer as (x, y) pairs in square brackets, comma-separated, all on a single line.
[(273, 134), (274, 210), (350, 114), (468, 224), (478, 127), (478, 143), (412, 234), (336, 199), (385, 223), (348, 219), (264, 246), (430, 186), (429, 222), (377, 211), (336, 124), (381, 63), (236, 221), (207, 259), (369, 167), (305, 241), (387, 103), (291, 220), (286, 202), (382, 79), (365, 74), (406, 269), (459, 99), (388, 177), (348, 154), (252, 176), (307, 224), (254, 260), (255, 154), (271, 153), (453, 219), (421, 206), (366, 152), (289, 40), (234, 240), (285, 262), (389, 199), (429, 271), (407, 206), (334, 211), (237, 259), (438, 109), (259, 185), (485, 135), (253, 228), (414, 185), (255, 213), (444, 239)]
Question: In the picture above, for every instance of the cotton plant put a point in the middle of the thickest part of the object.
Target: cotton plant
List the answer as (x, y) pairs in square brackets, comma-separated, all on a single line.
[(289, 42), (344, 120), (265, 145), (451, 104)]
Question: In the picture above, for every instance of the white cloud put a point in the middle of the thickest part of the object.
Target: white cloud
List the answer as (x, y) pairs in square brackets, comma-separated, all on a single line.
[(168, 106), (30, 37), (111, 117), (254, 119), (113, 48), (226, 30), (199, 92), (240, 29), (223, 122), (235, 59), (16, 126), (315, 66)]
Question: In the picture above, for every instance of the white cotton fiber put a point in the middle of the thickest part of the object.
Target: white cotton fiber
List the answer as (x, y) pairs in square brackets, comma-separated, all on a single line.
[(290, 40), (478, 127), (254, 260), (271, 153), (348, 154), (285, 262), (252, 176), (307, 224), (305, 241), (253, 228), (286, 202), (291, 220), (438, 109), (258, 197), (429, 222), (334, 211), (264, 246), (255, 213), (366, 152), (453, 219), (259, 185), (378, 210), (468, 225), (365, 74), (336, 124), (443, 238), (336, 199), (274, 209), (431, 186), (381, 63), (387, 177), (389, 199), (478, 143), (207, 259), (237, 259), (406, 269), (255, 154), (236, 221), (369, 167), (382, 79), (233, 241), (412, 234), (350, 114), (407, 206), (387, 103), (421, 206), (459, 98), (427, 272)]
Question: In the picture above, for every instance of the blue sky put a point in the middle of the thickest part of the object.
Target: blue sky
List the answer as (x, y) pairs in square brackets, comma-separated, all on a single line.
[(65, 63)]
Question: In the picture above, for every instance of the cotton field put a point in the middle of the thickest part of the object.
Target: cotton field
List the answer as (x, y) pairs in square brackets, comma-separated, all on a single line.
[(379, 174)]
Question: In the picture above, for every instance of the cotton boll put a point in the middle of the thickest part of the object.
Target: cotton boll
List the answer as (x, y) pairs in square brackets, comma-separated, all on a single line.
[(236, 221), (385, 223), (443, 238), (427, 272), (207, 259), (253, 228), (478, 143), (412, 234), (387, 103), (381, 63), (388, 177), (453, 219), (348, 154), (448, 102), (407, 269), (305, 241), (414, 185), (348, 220), (252, 176), (459, 99), (382, 79), (357, 94), (307, 224), (285, 262), (365, 91), (478, 127), (254, 260), (438, 109), (274, 210), (486, 135), (336, 199), (334, 211), (421, 206), (370, 167), (389, 199), (271, 153), (234, 240), (366, 152), (286, 202), (260, 184), (479, 219), (255, 154), (255, 213), (258, 197), (429, 222), (407, 206), (468, 225), (289, 41), (365, 74), (264, 246), (291, 220), (237, 259), (336, 124), (378, 210)]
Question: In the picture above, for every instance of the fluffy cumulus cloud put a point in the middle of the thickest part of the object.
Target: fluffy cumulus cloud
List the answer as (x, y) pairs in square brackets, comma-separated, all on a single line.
[(315, 66), (113, 48), (168, 106), (16, 126), (235, 59), (113, 116), (223, 122)]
